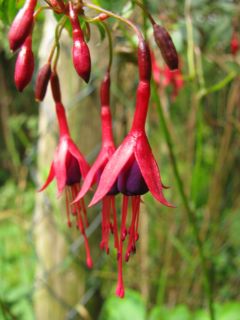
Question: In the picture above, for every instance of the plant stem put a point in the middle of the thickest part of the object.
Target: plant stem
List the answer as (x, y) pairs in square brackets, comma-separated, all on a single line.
[(116, 16), (190, 214)]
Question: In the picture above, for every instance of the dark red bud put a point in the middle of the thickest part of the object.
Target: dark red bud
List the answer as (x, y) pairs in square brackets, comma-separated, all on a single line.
[(24, 65), (43, 78), (105, 90), (144, 61), (55, 86), (22, 25), (165, 44)]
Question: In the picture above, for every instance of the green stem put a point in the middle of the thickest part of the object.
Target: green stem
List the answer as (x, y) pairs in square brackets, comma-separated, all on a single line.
[(110, 45), (143, 6), (190, 42), (116, 16), (190, 214)]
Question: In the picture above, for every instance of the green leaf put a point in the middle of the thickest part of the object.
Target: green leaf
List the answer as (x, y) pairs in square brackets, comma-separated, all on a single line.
[(180, 312), (131, 307)]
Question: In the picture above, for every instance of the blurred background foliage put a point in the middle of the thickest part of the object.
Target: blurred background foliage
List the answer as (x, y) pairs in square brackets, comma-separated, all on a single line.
[(165, 276)]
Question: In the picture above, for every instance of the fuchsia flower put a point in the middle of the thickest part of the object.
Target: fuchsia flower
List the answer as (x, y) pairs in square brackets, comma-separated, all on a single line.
[(234, 43), (133, 166), (68, 168), (165, 77), (106, 152)]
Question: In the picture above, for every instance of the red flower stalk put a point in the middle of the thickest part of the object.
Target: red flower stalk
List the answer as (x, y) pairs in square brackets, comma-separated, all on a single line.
[(68, 168), (133, 166), (235, 45), (22, 25), (24, 65), (80, 50), (107, 150), (43, 78)]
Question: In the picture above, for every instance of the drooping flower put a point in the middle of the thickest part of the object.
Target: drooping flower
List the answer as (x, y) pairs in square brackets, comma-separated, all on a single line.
[(235, 44), (68, 168), (165, 77), (133, 166), (109, 215)]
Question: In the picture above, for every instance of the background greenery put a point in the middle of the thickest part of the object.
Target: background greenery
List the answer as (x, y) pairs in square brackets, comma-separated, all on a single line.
[(165, 279)]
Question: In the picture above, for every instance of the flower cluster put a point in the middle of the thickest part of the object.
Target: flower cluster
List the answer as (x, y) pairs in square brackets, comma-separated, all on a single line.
[(129, 170)]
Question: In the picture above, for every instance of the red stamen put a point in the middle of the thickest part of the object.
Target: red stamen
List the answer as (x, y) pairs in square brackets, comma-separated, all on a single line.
[(115, 225), (67, 194), (124, 218), (106, 206)]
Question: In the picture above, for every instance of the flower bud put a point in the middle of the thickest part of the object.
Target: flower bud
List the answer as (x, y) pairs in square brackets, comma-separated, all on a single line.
[(55, 86), (24, 65), (144, 61), (80, 50), (22, 25), (43, 78), (165, 44)]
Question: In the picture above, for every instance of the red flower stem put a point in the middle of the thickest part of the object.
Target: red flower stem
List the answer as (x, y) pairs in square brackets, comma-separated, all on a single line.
[(31, 4), (142, 103), (146, 12), (106, 118), (77, 31), (62, 120)]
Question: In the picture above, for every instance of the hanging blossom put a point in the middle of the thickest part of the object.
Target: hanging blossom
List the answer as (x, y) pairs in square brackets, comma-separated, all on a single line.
[(133, 167), (235, 44), (109, 214), (68, 168), (165, 77)]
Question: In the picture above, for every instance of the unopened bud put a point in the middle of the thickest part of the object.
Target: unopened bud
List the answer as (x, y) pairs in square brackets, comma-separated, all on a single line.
[(165, 44), (43, 78), (22, 25), (80, 51), (24, 65)]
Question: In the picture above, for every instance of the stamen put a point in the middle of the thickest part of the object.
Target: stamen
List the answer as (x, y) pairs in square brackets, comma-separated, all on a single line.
[(115, 224), (106, 206), (87, 249), (124, 217), (67, 191)]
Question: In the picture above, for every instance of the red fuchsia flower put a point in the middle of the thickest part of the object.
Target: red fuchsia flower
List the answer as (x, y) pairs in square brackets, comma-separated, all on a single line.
[(24, 65), (165, 77), (22, 25), (173, 78), (80, 51), (109, 215), (68, 168), (234, 43), (133, 166)]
